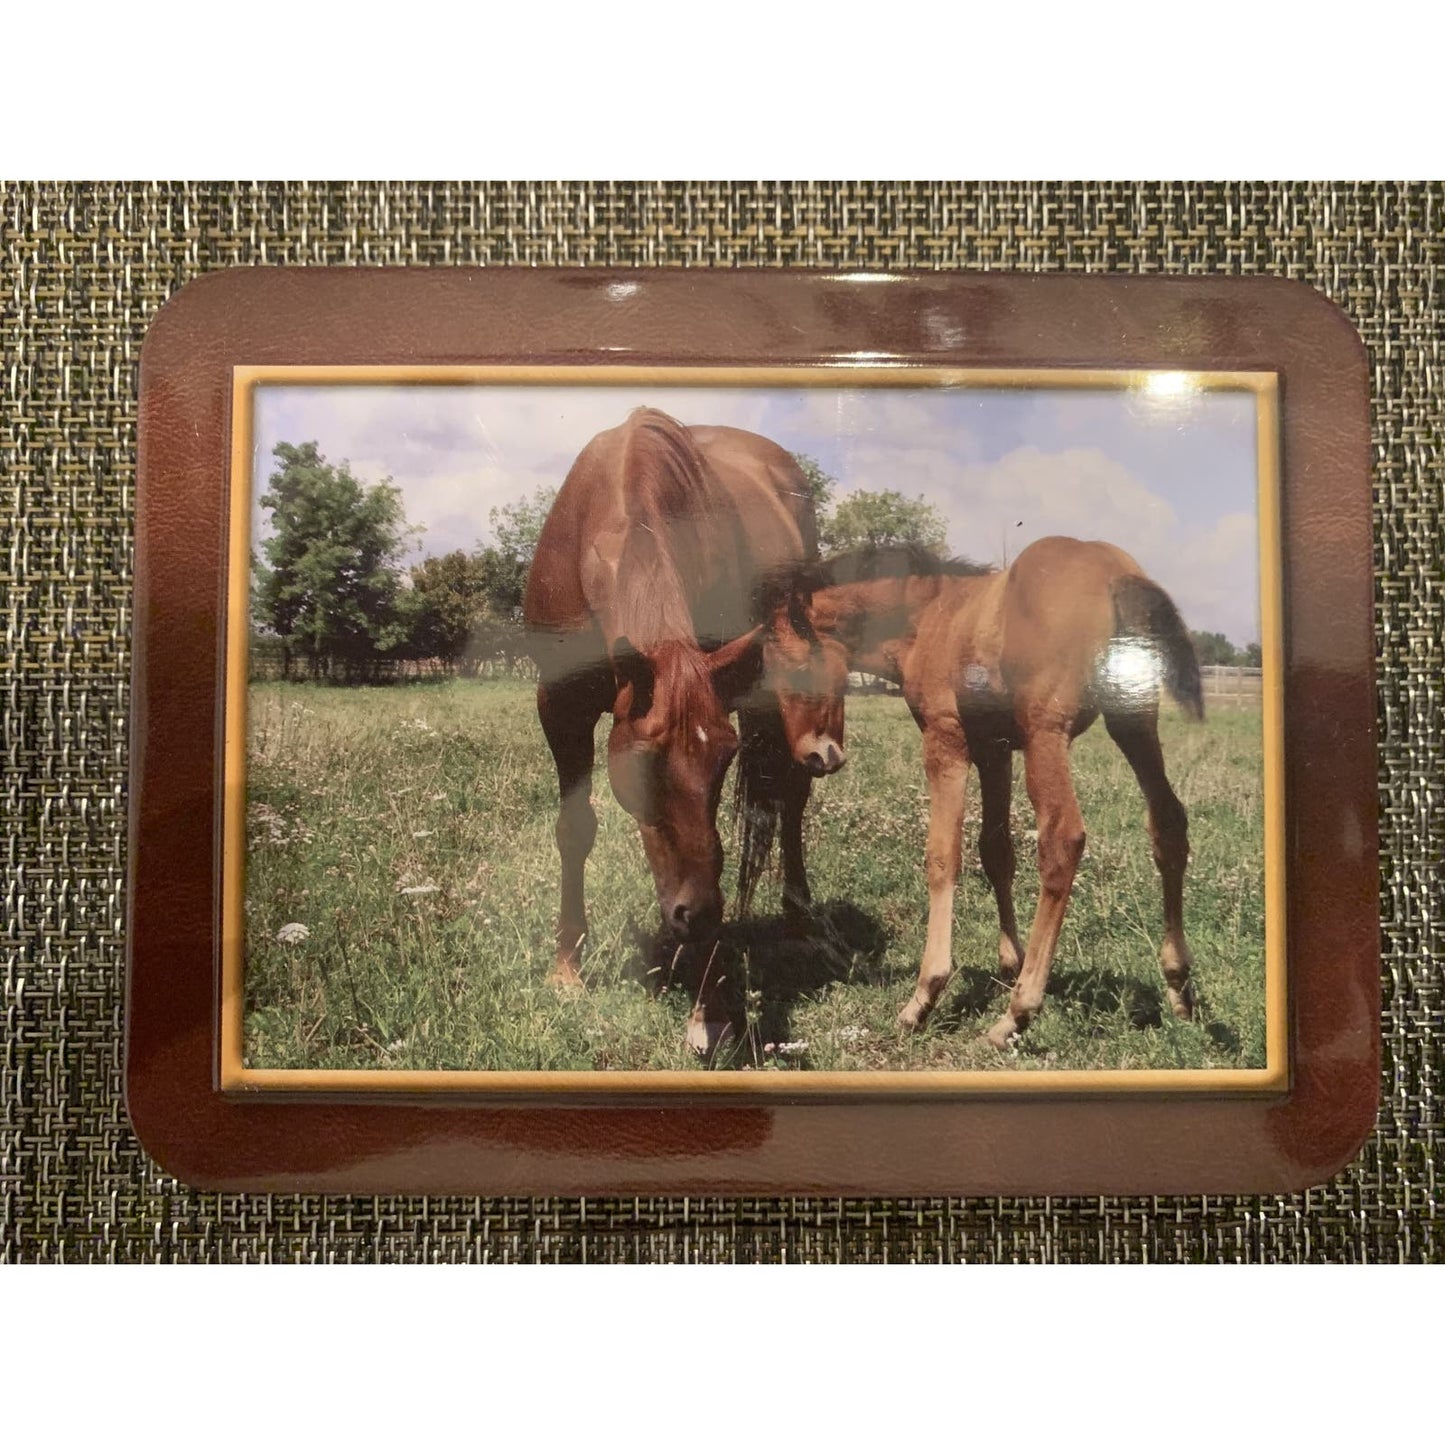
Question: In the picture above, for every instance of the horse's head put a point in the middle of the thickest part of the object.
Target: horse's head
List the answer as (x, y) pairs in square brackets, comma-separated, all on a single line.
[(806, 667), (667, 757)]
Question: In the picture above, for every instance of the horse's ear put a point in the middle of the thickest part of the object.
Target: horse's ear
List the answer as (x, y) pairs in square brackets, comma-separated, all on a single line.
[(633, 669), (736, 666)]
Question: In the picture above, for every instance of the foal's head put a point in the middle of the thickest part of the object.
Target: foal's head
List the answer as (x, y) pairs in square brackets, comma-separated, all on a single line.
[(805, 666), (825, 619), (671, 744)]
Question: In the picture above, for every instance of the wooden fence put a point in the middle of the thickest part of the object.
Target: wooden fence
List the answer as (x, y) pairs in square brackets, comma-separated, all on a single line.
[(1232, 686), (265, 665)]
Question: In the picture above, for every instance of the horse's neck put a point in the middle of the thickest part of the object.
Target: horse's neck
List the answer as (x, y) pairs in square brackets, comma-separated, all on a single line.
[(679, 549), (877, 620), (650, 604)]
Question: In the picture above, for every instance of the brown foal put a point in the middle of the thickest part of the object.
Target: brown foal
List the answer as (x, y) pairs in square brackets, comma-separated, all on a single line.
[(993, 662)]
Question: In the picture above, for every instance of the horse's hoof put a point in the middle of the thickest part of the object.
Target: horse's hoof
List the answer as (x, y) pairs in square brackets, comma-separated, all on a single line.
[(1003, 1033), (911, 1016), (706, 1036), (1181, 1000)]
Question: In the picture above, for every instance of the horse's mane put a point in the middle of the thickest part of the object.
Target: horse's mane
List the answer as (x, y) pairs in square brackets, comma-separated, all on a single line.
[(667, 482), (682, 668), (895, 561), (794, 584)]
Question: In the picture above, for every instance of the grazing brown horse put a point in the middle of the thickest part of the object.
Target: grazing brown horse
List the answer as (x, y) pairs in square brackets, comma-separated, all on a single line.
[(641, 600), (991, 662)]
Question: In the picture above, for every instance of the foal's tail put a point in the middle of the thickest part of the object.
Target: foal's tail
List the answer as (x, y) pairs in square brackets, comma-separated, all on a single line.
[(1144, 610)]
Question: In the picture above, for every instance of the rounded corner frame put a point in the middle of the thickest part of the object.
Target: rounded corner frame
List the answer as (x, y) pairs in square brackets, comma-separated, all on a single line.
[(196, 1115)]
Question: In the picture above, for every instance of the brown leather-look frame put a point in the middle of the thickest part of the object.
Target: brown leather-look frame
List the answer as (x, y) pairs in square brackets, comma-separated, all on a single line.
[(1130, 1143)]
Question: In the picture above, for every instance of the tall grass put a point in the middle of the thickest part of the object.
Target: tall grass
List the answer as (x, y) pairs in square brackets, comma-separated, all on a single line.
[(408, 830)]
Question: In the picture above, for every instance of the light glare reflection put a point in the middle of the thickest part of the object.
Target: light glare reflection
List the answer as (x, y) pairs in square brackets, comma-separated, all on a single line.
[(1132, 669), (1167, 385)]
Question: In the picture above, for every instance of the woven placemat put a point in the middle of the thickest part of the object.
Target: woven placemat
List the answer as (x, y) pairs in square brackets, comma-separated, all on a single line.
[(85, 268)]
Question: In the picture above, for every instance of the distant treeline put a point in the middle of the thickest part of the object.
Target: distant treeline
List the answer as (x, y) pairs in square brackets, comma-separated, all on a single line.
[(1214, 649), (334, 599)]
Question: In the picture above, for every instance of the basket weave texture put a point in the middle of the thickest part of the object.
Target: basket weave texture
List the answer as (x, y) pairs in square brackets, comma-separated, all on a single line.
[(82, 271)]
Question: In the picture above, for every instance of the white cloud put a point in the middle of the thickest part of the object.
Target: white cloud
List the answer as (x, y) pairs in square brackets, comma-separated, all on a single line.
[(459, 451), (995, 509)]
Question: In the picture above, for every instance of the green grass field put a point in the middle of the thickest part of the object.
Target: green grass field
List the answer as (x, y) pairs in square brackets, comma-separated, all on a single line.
[(408, 829)]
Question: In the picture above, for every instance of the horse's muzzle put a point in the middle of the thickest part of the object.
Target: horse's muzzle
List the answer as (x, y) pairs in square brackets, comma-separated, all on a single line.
[(693, 918), (823, 757)]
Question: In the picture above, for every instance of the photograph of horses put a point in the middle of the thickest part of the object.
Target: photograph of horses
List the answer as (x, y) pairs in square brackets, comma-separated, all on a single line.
[(761, 727)]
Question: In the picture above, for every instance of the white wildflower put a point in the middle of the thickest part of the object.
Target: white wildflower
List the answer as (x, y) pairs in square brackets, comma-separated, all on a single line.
[(264, 817), (794, 1046), (419, 889), (293, 933), (425, 833)]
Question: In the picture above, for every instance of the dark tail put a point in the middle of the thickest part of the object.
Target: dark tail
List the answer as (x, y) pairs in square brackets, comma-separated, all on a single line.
[(1145, 610), (757, 798)]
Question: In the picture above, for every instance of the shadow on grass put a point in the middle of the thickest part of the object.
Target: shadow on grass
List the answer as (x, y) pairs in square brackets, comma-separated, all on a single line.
[(765, 966), (1142, 1003), (1224, 1036), (1100, 992), (975, 997)]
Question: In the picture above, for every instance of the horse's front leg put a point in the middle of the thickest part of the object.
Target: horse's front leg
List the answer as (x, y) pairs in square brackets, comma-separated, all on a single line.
[(945, 760), (569, 714), (797, 897), (710, 1024), (1061, 845)]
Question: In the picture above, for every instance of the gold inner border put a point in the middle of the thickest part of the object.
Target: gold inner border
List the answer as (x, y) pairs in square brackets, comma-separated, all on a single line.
[(235, 1077)]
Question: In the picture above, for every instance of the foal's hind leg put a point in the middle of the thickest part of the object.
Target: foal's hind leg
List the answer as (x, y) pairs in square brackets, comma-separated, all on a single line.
[(1061, 845), (994, 759), (1138, 738), (569, 713), (945, 759)]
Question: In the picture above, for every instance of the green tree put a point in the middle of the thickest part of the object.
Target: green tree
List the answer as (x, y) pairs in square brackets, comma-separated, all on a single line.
[(1253, 655), (820, 484), (450, 609), (506, 562), (1214, 649), (330, 581), (882, 519)]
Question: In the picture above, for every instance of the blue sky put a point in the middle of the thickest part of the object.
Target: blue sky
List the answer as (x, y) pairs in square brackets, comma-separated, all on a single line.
[(1170, 478)]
